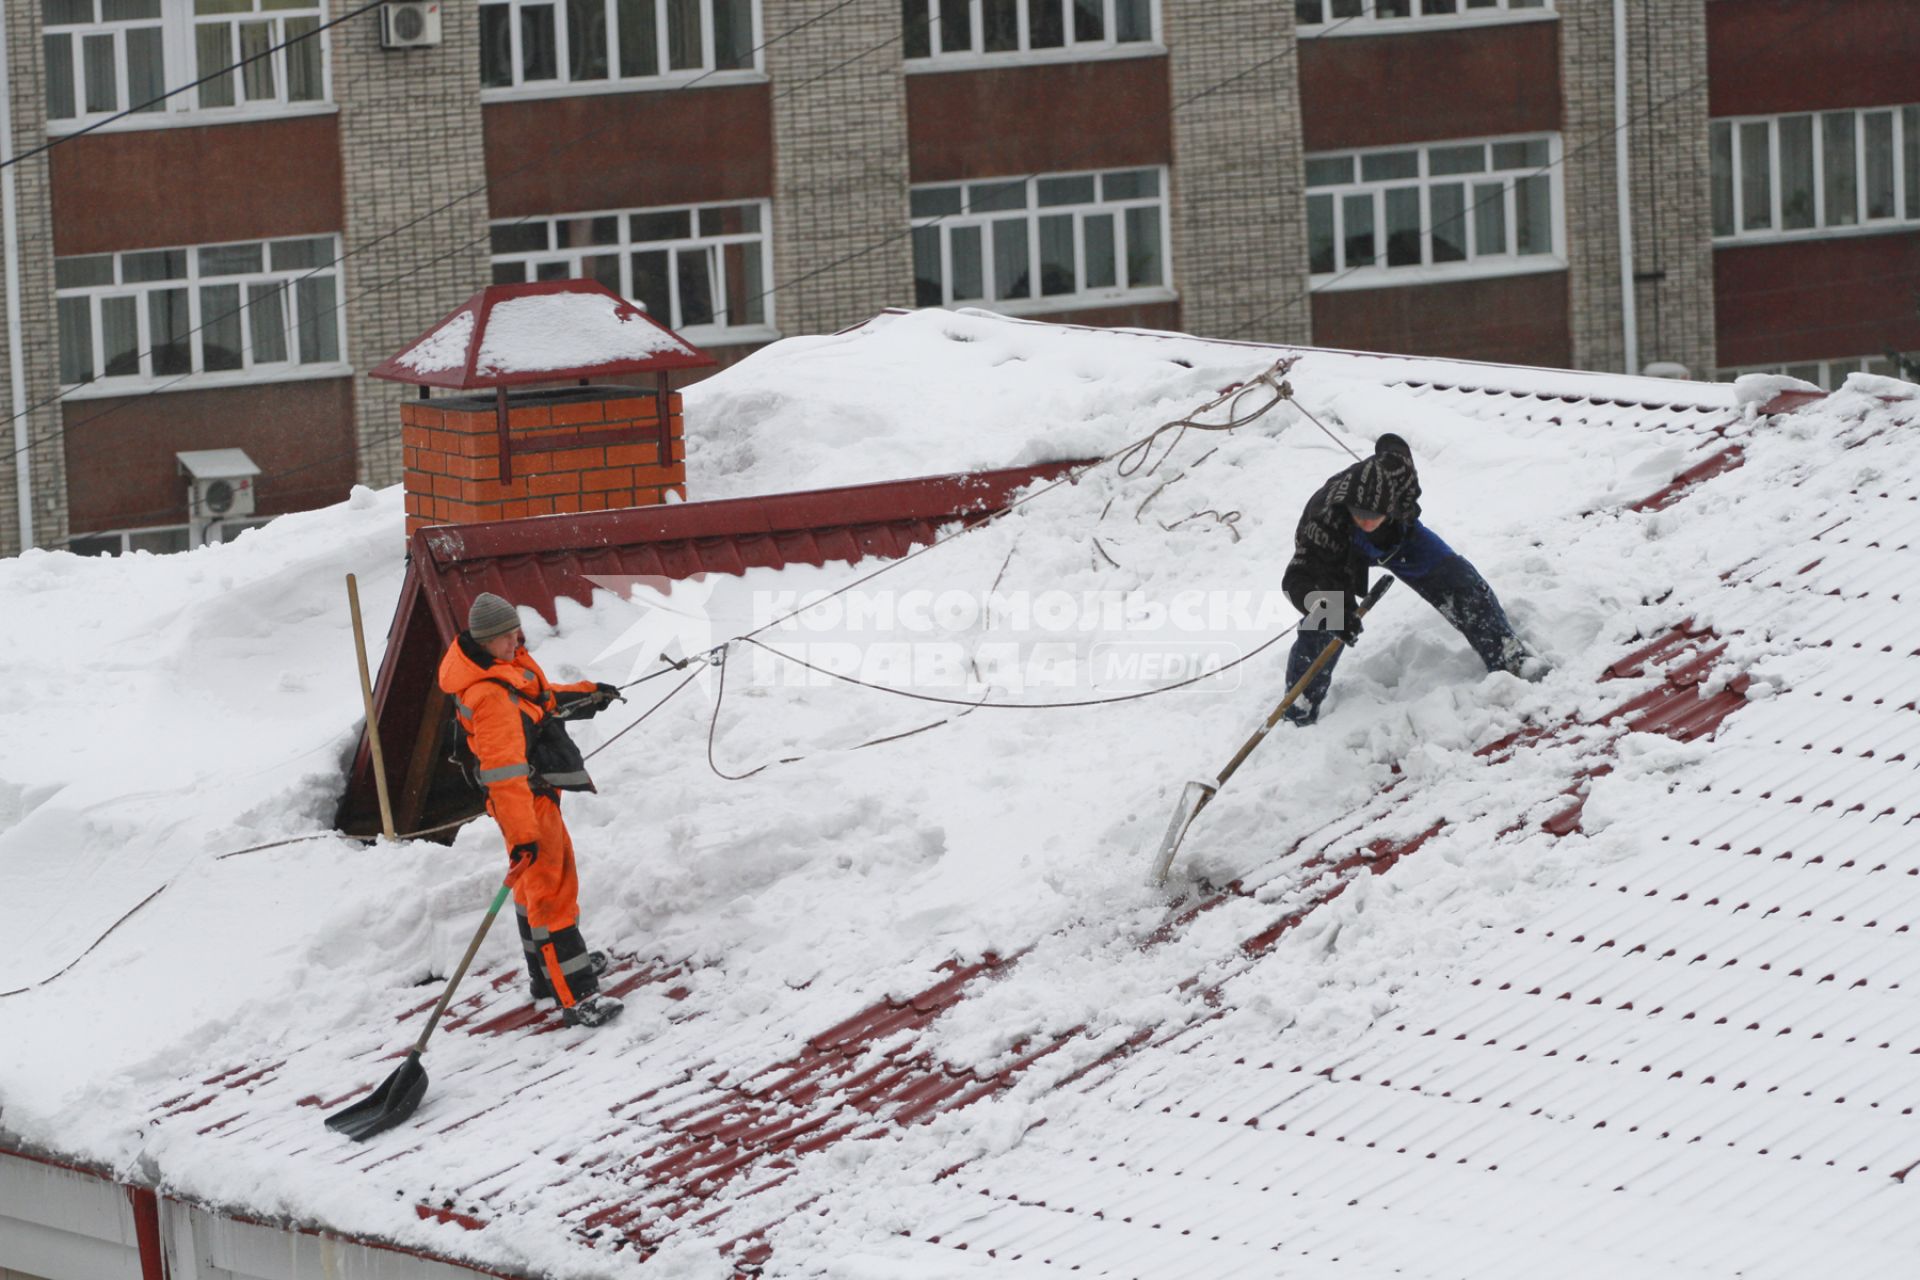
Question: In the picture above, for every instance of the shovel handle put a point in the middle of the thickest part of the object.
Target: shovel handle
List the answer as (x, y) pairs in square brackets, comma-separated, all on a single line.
[(420, 1045), (1326, 656)]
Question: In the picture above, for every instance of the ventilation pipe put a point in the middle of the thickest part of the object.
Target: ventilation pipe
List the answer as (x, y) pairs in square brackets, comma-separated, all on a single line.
[(16, 359), (1629, 316)]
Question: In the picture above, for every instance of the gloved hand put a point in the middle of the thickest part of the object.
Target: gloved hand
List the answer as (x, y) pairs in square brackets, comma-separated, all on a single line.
[(524, 855), (1350, 634), (606, 695)]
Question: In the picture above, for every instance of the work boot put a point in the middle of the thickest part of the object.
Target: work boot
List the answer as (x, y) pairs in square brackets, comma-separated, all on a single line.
[(592, 1011), (598, 962), (1301, 713)]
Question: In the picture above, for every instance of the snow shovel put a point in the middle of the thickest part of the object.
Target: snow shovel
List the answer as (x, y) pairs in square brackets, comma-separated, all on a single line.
[(1196, 794), (397, 1097)]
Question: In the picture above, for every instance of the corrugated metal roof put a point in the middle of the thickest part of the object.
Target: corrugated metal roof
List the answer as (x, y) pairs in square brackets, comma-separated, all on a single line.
[(1725, 1124)]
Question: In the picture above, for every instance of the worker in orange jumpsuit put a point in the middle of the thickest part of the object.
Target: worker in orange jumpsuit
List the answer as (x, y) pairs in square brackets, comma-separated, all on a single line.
[(507, 709)]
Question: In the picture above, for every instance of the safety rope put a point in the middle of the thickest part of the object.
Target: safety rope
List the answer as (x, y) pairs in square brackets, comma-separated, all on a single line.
[(1130, 459)]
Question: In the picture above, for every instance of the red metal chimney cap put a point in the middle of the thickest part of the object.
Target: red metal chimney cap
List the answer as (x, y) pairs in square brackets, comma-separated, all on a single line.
[(510, 335)]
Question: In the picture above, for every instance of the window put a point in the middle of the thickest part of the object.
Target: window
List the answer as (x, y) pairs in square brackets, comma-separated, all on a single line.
[(549, 44), (971, 29), (1825, 172), (236, 312), (701, 270), (1829, 374), (157, 540), (1472, 208), (108, 56), (1374, 16), (1042, 244)]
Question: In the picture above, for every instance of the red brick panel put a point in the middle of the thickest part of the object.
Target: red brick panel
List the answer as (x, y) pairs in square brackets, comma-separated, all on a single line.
[(1817, 299), (1766, 57), (158, 188), (1058, 118), (451, 453), (629, 150), (1139, 315), (1377, 91), (121, 471), (1510, 319)]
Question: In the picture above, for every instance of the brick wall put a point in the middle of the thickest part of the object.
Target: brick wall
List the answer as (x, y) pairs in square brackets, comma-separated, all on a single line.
[(411, 140), (1239, 205), (582, 449), (46, 454), (841, 249), (1669, 174)]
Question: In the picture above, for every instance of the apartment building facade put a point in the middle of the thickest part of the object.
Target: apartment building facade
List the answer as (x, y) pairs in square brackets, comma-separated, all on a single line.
[(218, 269)]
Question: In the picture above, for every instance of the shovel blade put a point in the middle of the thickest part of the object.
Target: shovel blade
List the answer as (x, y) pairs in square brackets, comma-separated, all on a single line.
[(386, 1106), (1193, 798)]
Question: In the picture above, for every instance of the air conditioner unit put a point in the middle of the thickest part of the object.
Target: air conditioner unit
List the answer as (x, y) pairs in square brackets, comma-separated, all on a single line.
[(410, 24), (219, 484)]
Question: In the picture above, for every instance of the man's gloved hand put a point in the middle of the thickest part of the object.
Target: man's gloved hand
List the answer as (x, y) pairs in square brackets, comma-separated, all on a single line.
[(1350, 612), (524, 855), (605, 695)]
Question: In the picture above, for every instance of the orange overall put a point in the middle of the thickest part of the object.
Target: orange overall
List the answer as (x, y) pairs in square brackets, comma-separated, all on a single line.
[(500, 704)]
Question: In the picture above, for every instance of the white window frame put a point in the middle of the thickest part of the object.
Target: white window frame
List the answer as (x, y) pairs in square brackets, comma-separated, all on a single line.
[(721, 334), (251, 372), (1829, 374), (976, 54), (1123, 293), (560, 86), (1476, 265), (1369, 22), (1906, 182), (179, 25)]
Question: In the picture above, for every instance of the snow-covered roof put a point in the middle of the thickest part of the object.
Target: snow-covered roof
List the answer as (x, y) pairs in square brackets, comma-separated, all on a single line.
[(509, 335), (1601, 976)]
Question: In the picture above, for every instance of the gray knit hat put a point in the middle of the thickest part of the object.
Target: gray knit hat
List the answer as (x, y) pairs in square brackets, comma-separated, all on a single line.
[(491, 616)]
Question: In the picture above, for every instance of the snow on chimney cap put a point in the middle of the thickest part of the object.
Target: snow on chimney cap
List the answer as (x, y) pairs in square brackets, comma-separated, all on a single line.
[(511, 335)]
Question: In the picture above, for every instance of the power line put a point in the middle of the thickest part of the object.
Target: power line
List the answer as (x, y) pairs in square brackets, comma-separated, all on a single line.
[(133, 395), (1653, 109), (837, 262), (268, 52), (884, 241)]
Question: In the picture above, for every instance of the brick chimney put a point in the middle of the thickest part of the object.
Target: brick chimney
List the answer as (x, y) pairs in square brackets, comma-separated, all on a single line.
[(509, 443), (568, 450)]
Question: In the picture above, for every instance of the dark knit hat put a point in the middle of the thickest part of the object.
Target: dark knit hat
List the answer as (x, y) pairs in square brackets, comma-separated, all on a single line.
[(491, 616), (1385, 485)]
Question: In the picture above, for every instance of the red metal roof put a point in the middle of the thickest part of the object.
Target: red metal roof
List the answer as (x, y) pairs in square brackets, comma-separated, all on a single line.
[(534, 562), (1445, 1113), (506, 336)]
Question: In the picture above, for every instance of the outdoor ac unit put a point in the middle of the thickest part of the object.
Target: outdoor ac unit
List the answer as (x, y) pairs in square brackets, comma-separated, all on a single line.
[(410, 24), (219, 483)]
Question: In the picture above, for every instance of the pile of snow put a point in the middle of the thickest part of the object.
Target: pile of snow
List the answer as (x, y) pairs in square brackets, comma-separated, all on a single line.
[(168, 710)]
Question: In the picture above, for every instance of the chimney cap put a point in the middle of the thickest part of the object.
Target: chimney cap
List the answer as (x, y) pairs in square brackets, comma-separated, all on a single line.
[(510, 335)]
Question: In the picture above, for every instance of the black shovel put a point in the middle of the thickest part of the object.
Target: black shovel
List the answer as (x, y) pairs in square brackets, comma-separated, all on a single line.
[(401, 1092)]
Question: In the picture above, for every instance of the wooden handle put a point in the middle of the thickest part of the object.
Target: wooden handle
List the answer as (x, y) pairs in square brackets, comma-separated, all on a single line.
[(420, 1045), (373, 723)]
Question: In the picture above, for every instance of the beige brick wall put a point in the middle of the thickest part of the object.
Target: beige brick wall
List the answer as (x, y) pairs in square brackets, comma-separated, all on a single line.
[(1239, 203), (841, 249), (46, 456), (411, 142), (1669, 174)]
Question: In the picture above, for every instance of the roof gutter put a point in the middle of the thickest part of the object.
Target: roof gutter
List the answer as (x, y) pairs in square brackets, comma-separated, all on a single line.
[(1629, 315), (16, 358)]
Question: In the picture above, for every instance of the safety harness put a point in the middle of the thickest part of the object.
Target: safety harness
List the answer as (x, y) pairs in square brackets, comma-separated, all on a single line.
[(553, 762)]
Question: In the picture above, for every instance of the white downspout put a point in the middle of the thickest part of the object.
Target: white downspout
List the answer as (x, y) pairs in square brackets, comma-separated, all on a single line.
[(1629, 314), (16, 359)]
